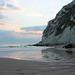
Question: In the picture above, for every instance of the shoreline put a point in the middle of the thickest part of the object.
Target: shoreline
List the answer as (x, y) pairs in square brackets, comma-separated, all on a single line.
[(10, 66)]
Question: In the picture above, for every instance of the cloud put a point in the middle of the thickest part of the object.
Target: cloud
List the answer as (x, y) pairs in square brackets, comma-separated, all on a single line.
[(14, 33), (27, 30), (3, 24), (12, 28), (26, 35), (18, 37), (24, 32), (8, 5), (12, 7), (34, 28), (2, 16)]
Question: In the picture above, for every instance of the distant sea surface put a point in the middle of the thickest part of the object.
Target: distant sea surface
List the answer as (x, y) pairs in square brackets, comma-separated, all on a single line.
[(46, 54)]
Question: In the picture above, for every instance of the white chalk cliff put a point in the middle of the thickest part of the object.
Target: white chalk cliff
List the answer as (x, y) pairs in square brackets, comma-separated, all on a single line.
[(61, 30)]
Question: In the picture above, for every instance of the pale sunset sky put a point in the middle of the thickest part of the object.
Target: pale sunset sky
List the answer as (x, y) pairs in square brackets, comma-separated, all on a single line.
[(23, 21)]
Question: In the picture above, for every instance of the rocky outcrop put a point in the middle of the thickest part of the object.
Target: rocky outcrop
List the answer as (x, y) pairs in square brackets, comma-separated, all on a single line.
[(69, 46), (61, 30)]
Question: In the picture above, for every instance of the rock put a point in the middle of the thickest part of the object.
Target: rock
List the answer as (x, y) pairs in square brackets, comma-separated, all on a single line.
[(68, 46), (61, 30)]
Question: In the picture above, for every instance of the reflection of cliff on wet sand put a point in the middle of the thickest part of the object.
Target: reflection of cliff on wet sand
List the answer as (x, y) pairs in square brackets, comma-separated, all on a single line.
[(52, 54), (69, 51)]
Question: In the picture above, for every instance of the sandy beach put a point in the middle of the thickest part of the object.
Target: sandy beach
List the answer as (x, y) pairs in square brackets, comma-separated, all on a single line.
[(26, 67)]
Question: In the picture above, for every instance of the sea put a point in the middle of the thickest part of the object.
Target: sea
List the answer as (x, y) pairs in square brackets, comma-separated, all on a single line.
[(37, 53)]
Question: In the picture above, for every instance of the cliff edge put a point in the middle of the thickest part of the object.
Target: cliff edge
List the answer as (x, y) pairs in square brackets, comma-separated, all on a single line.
[(61, 30)]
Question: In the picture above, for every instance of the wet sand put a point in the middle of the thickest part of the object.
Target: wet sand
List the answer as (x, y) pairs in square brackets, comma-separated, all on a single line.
[(26, 67)]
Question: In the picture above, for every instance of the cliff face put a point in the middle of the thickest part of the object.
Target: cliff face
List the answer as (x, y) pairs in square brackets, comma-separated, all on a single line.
[(61, 30)]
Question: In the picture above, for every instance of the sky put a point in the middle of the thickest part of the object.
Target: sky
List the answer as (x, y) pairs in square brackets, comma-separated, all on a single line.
[(23, 21)]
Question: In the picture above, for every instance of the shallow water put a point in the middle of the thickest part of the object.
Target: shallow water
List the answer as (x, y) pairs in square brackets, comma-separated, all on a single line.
[(24, 53), (47, 54)]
